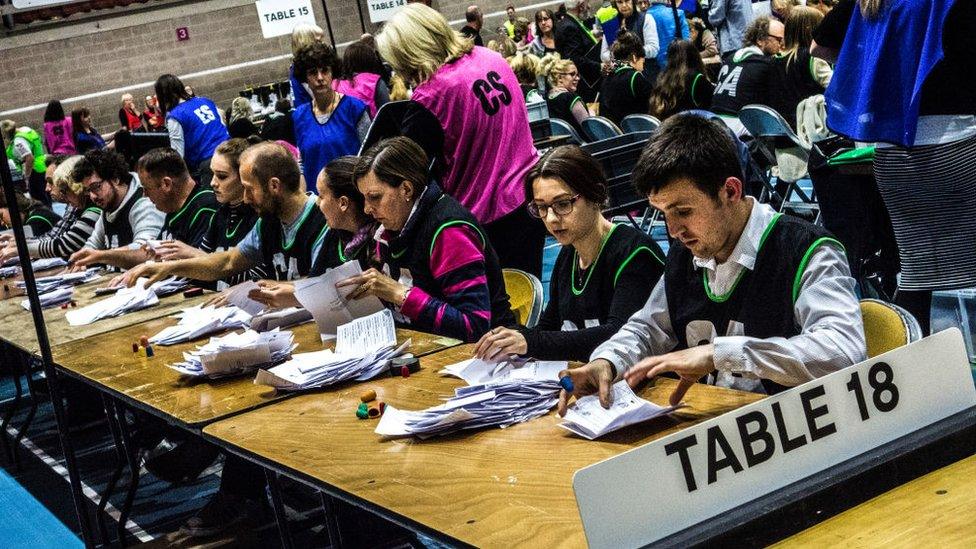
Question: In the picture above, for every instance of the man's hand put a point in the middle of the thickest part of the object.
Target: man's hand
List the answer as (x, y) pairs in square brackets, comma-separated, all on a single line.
[(171, 250), (593, 377), (690, 365), (275, 295), (8, 251), (80, 260), (501, 342), (154, 272)]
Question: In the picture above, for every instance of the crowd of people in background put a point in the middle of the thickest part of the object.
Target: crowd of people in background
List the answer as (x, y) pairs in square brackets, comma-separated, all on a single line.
[(451, 188)]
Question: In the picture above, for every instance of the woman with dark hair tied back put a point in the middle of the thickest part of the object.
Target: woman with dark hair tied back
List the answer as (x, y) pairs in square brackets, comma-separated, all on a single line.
[(193, 124), (798, 75), (362, 76), (59, 133), (448, 280), (683, 85), (603, 274), (625, 90)]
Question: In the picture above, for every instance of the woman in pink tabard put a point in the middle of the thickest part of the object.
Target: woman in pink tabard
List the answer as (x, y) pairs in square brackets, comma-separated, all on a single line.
[(468, 114), (59, 134), (361, 76)]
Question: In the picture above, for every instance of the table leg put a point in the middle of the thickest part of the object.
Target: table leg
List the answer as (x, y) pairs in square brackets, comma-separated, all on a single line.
[(30, 415), (120, 463), (331, 520), (132, 457), (279, 510)]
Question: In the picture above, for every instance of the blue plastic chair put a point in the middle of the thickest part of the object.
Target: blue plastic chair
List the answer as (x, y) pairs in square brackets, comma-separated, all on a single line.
[(598, 127), (558, 126), (639, 123)]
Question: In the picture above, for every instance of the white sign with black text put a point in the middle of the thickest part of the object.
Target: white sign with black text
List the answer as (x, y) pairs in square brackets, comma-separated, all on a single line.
[(383, 10), (279, 17), (663, 487)]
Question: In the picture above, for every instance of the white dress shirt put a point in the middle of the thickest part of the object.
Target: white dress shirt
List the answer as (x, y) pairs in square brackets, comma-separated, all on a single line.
[(826, 309)]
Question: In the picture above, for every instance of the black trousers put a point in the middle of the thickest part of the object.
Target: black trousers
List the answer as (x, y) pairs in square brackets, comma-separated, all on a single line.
[(518, 239)]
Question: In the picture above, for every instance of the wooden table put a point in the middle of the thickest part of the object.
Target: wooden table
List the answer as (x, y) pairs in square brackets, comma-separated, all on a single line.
[(106, 361), (488, 488), (935, 508)]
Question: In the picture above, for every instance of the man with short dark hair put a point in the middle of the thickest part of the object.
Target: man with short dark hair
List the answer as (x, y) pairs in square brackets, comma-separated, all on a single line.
[(284, 239), (750, 298), (472, 29), (509, 24), (189, 207), (129, 219)]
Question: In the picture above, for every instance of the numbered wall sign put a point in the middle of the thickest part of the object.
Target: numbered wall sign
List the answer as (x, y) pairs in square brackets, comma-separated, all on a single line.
[(279, 17), (661, 488), (383, 10)]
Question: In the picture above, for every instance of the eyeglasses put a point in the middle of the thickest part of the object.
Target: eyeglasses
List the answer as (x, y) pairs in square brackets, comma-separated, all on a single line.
[(573, 74), (94, 186), (777, 38), (561, 207)]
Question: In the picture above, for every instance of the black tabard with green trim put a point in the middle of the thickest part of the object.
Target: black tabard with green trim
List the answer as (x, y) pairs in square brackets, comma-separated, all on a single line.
[(230, 225), (278, 254), (191, 223), (761, 299)]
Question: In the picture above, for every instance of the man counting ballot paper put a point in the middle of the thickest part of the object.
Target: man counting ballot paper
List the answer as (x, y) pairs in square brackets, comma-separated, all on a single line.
[(750, 298)]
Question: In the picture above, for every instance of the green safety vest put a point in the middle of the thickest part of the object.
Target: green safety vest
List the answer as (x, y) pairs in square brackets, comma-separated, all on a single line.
[(37, 149)]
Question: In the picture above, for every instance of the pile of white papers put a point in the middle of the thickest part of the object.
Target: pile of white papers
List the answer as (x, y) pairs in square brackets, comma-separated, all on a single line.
[(588, 419), (199, 321), (234, 354), (330, 306), (169, 286), (363, 350), (48, 263), (7, 272), (504, 394), (124, 301), (48, 283), (52, 298)]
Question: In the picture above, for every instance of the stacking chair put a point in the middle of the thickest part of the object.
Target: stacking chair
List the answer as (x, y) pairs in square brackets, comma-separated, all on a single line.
[(525, 295), (598, 128), (558, 126), (639, 123), (887, 326)]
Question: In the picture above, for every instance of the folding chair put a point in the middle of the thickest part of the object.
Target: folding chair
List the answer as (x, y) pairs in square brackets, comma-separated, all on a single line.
[(598, 128), (558, 126), (525, 294), (639, 123)]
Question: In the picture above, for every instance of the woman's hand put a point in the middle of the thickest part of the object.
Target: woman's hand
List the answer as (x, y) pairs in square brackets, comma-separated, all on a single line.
[(376, 283), (275, 295), (171, 250), (500, 343)]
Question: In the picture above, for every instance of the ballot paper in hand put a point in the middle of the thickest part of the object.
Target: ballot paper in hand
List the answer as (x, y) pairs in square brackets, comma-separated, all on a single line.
[(330, 306), (237, 295), (124, 301), (588, 419), (52, 298), (362, 352), (199, 321), (235, 354), (504, 394)]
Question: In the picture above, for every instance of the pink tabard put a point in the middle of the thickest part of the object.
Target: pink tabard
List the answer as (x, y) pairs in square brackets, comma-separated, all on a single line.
[(362, 87), (487, 142)]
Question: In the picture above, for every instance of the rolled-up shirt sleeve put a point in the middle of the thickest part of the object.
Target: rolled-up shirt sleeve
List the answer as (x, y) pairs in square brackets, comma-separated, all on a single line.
[(832, 332)]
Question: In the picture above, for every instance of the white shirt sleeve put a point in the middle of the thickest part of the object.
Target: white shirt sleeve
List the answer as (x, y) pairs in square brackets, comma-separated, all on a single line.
[(648, 332), (97, 238), (176, 140), (146, 222), (832, 332), (605, 54), (651, 44)]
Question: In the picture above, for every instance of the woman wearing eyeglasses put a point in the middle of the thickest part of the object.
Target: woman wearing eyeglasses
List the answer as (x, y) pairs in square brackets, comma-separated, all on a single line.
[(603, 274), (562, 99)]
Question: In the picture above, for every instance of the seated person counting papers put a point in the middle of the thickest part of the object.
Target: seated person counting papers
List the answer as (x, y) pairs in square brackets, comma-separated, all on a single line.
[(750, 298)]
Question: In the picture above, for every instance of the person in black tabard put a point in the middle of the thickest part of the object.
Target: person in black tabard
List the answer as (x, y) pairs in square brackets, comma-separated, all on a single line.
[(562, 100), (188, 205), (603, 274), (283, 238), (798, 75), (683, 85), (625, 90), (33, 213), (745, 77), (750, 298)]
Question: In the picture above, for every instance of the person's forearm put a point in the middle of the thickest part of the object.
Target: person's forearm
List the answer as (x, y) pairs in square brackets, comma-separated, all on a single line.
[(210, 267), (123, 258)]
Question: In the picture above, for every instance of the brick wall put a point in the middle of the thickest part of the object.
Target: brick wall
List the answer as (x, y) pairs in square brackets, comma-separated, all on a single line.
[(128, 50)]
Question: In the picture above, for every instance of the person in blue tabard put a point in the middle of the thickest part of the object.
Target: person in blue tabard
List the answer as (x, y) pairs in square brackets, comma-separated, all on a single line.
[(193, 124)]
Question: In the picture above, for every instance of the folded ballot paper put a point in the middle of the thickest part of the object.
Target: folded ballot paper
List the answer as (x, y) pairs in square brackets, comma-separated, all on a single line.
[(501, 394), (330, 306), (48, 283), (262, 320), (199, 321), (363, 350), (124, 301), (169, 286), (48, 263), (53, 298), (588, 419), (7, 272), (235, 354)]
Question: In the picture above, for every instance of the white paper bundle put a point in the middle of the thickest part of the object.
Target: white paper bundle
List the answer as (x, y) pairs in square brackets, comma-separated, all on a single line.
[(589, 419), (235, 354), (199, 321)]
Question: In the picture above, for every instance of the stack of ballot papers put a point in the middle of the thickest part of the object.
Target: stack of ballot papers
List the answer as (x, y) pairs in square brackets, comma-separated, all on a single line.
[(588, 419), (48, 263), (169, 286), (363, 350), (500, 395), (52, 298), (199, 321), (124, 301), (235, 354), (7, 272), (48, 283)]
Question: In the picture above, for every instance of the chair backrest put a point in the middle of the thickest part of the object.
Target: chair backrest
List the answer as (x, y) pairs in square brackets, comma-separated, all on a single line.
[(762, 121), (386, 123), (598, 127), (887, 326), (559, 126), (639, 123), (524, 295)]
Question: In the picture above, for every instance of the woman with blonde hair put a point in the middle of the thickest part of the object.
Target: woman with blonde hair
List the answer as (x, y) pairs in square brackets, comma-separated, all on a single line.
[(563, 101), (302, 36), (526, 67), (468, 114), (239, 121), (797, 75)]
